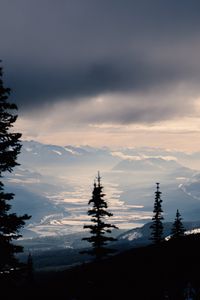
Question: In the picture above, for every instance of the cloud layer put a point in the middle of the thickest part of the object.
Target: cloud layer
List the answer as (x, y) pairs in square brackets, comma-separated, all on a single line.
[(141, 57)]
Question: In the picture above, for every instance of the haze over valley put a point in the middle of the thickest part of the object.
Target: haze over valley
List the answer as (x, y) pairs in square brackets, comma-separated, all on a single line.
[(54, 184)]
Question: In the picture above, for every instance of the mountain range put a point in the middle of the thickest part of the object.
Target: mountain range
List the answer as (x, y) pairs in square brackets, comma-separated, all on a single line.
[(63, 251), (54, 183)]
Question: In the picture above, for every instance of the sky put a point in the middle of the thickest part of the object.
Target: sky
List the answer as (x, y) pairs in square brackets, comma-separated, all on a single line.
[(104, 72)]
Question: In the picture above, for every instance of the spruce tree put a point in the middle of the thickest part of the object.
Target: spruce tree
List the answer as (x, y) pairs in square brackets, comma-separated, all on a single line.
[(10, 146), (157, 225), (98, 230), (177, 227), (29, 268)]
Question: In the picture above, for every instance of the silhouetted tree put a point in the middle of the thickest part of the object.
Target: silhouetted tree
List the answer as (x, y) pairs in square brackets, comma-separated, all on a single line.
[(177, 227), (10, 147), (30, 268), (99, 214), (157, 225)]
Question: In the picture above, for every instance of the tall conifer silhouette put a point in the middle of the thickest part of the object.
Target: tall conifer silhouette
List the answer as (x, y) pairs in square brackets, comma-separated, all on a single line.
[(10, 147), (177, 227), (98, 230), (157, 225)]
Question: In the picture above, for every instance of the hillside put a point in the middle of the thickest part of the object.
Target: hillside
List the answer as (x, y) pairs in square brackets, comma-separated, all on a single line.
[(62, 251), (143, 273)]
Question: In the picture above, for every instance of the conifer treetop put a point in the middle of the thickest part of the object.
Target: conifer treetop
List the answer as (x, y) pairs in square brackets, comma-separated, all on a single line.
[(157, 226), (100, 226)]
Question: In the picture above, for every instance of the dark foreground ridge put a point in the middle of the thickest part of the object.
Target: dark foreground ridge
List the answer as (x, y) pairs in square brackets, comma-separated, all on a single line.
[(153, 272)]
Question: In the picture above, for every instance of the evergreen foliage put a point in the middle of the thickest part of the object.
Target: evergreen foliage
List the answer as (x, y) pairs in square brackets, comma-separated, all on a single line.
[(157, 225), (99, 214), (177, 227), (10, 146), (29, 268)]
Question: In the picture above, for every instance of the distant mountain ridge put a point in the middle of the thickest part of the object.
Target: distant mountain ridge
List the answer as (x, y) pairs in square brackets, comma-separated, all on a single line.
[(64, 156), (141, 235), (62, 251), (148, 164), (55, 181)]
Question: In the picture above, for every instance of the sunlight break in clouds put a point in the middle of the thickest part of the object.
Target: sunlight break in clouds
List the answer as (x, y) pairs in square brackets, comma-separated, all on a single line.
[(64, 124)]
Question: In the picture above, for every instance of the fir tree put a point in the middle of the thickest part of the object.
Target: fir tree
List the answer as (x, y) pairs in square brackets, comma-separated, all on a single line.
[(98, 230), (29, 268), (10, 147), (157, 225), (177, 227)]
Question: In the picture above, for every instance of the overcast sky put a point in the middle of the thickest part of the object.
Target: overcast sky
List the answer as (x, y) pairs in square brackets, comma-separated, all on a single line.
[(104, 72)]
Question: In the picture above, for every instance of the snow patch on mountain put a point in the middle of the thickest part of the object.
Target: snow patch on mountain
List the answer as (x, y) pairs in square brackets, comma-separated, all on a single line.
[(71, 151), (132, 236), (57, 152)]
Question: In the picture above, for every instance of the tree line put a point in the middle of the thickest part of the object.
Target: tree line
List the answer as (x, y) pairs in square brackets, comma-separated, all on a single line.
[(98, 230), (177, 230)]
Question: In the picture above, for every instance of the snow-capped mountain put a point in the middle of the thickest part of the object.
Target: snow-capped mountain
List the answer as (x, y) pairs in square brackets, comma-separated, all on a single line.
[(142, 235), (148, 164), (42, 157), (54, 183)]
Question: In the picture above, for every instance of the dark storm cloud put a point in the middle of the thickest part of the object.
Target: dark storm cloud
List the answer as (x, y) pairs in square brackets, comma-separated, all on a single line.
[(34, 86), (74, 49)]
